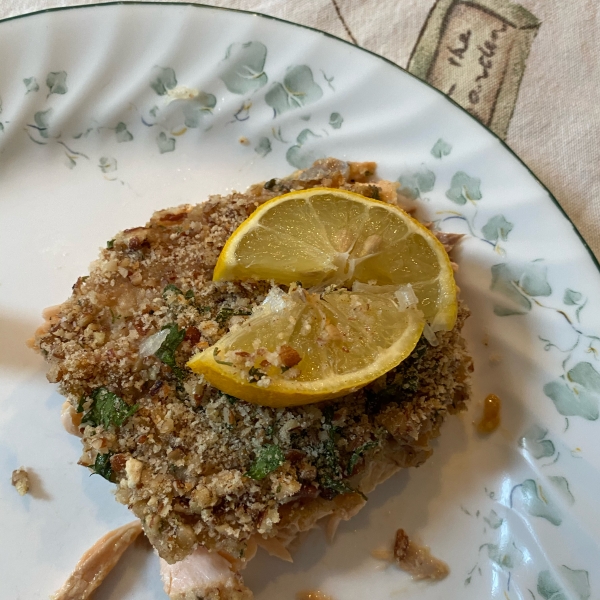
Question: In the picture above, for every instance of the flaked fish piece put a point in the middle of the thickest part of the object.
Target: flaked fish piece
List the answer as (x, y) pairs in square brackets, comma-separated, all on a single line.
[(51, 317), (274, 547), (417, 560), (448, 240), (97, 563), (70, 418), (203, 575)]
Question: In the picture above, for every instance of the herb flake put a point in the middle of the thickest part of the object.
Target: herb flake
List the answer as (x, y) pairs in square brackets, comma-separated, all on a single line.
[(337, 485), (166, 352), (110, 244), (231, 399), (330, 474), (255, 375), (102, 466), (220, 362), (171, 287), (269, 458), (106, 409), (226, 313), (358, 454)]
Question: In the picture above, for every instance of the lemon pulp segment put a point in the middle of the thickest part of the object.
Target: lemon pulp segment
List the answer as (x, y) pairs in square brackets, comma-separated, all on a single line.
[(338, 342), (327, 236)]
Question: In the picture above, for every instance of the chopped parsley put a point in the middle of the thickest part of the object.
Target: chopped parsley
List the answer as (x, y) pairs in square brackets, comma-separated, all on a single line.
[(336, 485), (255, 374), (110, 244), (330, 474), (269, 458), (106, 409), (374, 192), (102, 466), (357, 455), (220, 362), (405, 384), (171, 287), (226, 313), (420, 349), (328, 415), (397, 392), (190, 296), (166, 352)]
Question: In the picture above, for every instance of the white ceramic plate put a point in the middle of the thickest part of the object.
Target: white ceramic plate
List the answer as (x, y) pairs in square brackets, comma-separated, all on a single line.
[(96, 133)]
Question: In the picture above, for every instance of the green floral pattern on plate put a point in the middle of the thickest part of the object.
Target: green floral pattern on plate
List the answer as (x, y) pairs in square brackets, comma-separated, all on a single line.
[(519, 285), (198, 108), (165, 143), (164, 80), (441, 148), (336, 120), (56, 82), (31, 84), (577, 392), (464, 189), (263, 147), (578, 581), (535, 502), (298, 89), (416, 183), (245, 67), (301, 155), (123, 135)]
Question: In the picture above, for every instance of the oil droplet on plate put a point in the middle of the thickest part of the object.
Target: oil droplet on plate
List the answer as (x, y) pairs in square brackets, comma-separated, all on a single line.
[(491, 414)]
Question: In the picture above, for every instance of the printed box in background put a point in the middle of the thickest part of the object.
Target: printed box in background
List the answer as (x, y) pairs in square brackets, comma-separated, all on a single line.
[(475, 52)]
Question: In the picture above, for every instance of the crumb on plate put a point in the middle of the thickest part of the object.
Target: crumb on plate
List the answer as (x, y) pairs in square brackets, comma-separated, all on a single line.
[(20, 479)]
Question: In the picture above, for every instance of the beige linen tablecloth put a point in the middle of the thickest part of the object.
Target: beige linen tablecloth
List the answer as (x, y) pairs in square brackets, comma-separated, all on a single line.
[(530, 71)]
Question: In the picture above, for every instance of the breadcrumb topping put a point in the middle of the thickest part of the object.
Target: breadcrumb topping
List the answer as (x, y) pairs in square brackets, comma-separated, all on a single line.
[(20, 479), (198, 466)]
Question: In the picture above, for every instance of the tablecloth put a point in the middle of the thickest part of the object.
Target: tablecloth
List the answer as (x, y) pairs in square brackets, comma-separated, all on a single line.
[(530, 71)]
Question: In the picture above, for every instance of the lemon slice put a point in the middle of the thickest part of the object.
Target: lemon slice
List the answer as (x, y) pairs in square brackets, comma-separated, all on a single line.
[(365, 279), (325, 236), (300, 347)]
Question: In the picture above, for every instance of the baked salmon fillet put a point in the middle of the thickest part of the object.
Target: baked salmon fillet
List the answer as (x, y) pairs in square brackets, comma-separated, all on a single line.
[(191, 462)]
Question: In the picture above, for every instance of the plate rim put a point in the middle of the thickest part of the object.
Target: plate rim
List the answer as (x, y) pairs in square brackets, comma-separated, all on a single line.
[(595, 260)]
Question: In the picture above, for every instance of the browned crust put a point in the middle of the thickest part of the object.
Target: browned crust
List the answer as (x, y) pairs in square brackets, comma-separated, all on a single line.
[(192, 445)]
